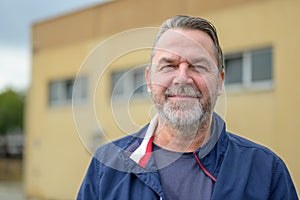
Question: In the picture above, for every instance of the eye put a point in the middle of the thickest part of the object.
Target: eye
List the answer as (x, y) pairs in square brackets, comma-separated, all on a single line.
[(168, 67), (199, 68)]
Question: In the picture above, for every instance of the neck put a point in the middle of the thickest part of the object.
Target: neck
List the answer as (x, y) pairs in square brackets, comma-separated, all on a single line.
[(178, 140)]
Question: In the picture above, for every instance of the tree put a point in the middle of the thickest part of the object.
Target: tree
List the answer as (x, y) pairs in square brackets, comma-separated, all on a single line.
[(11, 111)]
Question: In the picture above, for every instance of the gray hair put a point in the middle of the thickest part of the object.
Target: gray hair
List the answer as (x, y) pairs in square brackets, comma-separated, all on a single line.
[(192, 23)]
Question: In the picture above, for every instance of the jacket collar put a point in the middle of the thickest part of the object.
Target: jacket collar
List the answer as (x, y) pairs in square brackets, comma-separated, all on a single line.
[(216, 130), (211, 153), (142, 154)]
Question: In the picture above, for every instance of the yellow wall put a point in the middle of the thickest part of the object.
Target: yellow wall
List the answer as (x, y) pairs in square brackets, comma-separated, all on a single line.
[(268, 117), (55, 153)]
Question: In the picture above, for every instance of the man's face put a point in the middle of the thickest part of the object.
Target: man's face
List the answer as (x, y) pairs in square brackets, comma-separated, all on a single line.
[(184, 79)]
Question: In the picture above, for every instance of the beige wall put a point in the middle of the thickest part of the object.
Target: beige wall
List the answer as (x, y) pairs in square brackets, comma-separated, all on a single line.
[(56, 159), (268, 117)]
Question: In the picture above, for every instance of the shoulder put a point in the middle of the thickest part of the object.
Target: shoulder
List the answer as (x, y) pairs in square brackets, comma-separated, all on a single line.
[(266, 163), (261, 174), (124, 142), (246, 146), (244, 154), (112, 153)]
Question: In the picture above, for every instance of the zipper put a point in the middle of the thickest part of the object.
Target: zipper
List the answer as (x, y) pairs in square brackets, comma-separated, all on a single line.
[(204, 169)]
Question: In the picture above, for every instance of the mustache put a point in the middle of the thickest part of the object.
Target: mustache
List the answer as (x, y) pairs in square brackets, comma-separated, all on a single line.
[(186, 90)]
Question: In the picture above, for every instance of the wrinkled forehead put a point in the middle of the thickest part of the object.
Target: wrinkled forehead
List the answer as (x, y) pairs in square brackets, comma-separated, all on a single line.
[(187, 44)]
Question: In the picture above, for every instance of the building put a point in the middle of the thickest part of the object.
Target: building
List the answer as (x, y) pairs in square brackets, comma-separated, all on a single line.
[(259, 38)]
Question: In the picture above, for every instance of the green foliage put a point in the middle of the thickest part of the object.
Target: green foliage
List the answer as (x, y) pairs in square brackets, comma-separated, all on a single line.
[(11, 111)]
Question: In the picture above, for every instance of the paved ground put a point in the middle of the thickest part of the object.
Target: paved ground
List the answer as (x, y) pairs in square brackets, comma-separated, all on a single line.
[(11, 179), (11, 190)]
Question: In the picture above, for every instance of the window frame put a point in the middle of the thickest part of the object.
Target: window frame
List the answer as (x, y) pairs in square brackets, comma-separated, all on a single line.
[(63, 87), (128, 84), (247, 83)]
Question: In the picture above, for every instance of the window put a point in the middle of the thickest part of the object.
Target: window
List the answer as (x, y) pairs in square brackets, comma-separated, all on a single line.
[(249, 69), (118, 83), (127, 83), (234, 70), (139, 82), (261, 65), (61, 91)]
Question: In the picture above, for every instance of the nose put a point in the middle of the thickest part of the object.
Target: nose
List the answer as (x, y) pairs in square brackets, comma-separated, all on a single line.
[(182, 76)]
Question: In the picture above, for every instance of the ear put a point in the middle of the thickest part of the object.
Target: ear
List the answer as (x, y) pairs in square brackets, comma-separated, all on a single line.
[(148, 78), (221, 82)]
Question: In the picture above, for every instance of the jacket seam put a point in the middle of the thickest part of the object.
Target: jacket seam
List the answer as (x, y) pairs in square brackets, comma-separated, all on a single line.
[(98, 176)]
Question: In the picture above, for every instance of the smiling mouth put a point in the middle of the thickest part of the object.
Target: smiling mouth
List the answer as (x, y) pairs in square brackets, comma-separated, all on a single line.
[(182, 93), (181, 97)]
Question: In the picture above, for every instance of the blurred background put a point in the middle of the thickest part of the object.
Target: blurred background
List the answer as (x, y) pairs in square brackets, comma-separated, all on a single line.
[(50, 53), (16, 19)]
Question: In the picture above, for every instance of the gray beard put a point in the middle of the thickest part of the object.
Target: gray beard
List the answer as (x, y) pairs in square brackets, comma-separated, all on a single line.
[(185, 117)]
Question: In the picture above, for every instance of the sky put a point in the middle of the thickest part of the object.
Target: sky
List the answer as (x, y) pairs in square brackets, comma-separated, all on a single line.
[(16, 19)]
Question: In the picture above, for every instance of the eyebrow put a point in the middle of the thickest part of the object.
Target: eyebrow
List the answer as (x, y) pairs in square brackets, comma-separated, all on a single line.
[(193, 61), (166, 60), (199, 59)]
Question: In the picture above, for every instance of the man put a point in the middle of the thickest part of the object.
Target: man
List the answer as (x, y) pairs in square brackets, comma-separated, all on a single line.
[(185, 151)]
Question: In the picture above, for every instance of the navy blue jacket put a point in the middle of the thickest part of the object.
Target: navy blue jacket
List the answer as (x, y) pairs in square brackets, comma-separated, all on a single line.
[(242, 170)]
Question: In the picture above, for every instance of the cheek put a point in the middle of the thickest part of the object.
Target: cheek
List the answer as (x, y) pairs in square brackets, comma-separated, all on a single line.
[(207, 85), (160, 82), (157, 89), (157, 93)]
